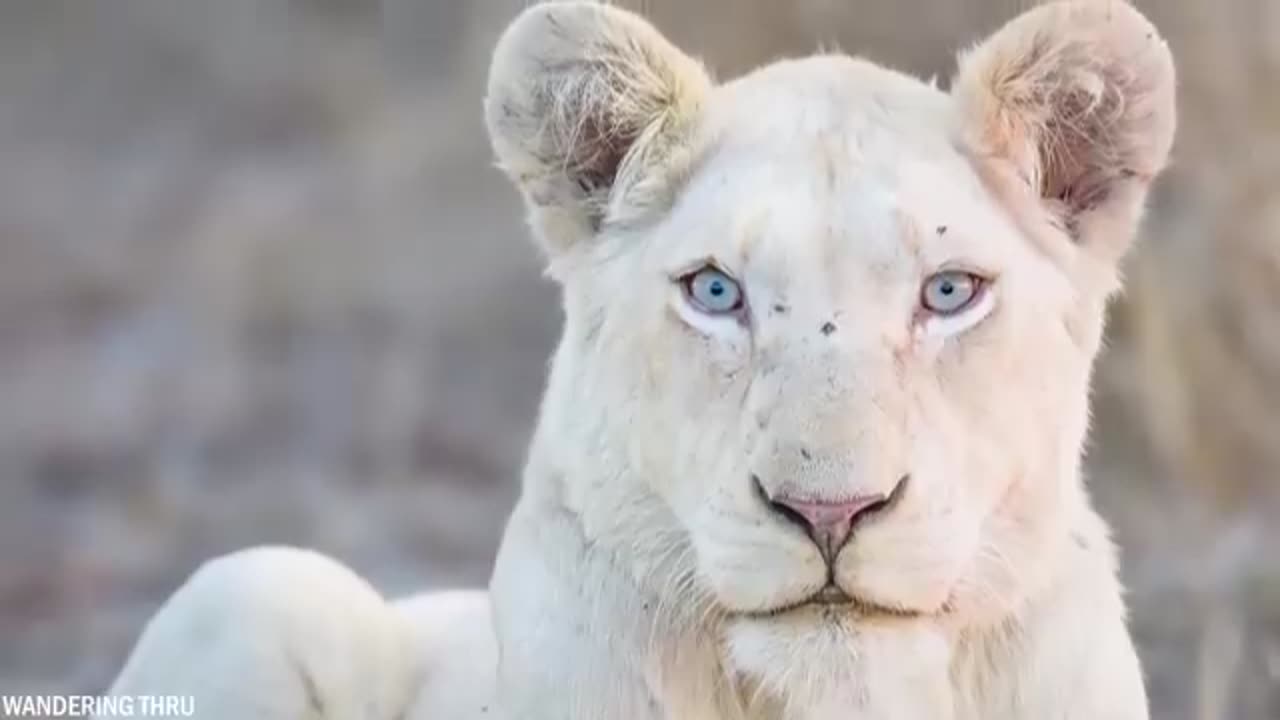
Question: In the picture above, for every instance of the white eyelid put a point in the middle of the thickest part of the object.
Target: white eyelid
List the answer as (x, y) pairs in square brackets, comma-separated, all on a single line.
[(945, 326), (730, 337), (715, 324)]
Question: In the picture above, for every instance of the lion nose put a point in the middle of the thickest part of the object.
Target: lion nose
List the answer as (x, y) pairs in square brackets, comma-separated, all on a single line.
[(829, 523)]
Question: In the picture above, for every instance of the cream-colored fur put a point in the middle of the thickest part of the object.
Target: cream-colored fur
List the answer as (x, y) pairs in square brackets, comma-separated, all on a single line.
[(644, 573)]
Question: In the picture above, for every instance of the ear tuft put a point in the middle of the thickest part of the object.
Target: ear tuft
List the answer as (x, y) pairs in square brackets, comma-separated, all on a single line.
[(585, 102), (1076, 98)]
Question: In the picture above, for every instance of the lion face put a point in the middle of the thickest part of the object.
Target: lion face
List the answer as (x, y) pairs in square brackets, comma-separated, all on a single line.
[(829, 329), (834, 309)]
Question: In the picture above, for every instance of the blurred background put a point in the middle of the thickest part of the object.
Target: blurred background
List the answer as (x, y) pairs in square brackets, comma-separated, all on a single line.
[(259, 282)]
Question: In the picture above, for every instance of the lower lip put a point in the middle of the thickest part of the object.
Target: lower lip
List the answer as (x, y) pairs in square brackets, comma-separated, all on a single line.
[(831, 596)]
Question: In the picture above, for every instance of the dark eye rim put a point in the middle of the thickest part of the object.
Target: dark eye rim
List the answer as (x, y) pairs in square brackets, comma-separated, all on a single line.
[(686, 285), (981, 284)]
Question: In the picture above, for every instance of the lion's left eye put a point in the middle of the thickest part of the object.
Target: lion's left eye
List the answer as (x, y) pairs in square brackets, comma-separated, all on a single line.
[(950, 292), (713, 292)]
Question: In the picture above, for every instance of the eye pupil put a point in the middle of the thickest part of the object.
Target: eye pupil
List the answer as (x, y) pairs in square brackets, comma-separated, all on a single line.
[(713, 291), (950, 292)]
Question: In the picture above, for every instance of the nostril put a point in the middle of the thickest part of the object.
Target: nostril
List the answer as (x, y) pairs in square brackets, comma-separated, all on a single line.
[(896, 494), (780, 507)]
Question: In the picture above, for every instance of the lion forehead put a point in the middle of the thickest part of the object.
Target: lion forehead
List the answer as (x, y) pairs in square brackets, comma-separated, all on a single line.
[(849, 230), (828, 165)]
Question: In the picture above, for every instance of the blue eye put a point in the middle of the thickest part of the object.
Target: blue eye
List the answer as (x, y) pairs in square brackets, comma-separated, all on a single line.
[(713, 292), (949, 292)]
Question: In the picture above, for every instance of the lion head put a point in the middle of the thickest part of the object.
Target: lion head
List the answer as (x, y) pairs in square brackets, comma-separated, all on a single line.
[(829, 329)]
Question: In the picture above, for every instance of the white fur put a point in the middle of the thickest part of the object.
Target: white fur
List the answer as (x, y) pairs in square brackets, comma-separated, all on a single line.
[(641, 576)]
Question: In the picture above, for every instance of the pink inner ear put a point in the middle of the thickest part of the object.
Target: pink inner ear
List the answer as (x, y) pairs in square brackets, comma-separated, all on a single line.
[(597, 153), (1082, 142), (1079, 98)]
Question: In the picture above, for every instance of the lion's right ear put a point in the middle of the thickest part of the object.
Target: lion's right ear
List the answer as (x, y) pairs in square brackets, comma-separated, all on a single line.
[(589, 109)]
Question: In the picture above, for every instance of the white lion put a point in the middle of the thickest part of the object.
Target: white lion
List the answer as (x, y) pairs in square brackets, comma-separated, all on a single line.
[(811, 443)]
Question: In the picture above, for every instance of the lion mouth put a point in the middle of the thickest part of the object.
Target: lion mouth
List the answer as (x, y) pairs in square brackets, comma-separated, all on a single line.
[(830, 594), (831, 598)]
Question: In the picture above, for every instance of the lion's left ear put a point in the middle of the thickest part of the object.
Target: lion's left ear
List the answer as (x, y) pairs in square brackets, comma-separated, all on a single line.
[(1075, 98)]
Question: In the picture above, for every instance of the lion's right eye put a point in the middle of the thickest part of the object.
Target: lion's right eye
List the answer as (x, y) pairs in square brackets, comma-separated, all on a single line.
[(950, 292), (713, 292)]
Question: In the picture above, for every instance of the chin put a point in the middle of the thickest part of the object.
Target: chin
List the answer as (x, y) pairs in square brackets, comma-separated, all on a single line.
[(829, 629), (816, 643), (830, 656)]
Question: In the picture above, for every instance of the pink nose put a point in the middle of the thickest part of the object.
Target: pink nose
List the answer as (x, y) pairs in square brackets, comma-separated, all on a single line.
[(828, 523)]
